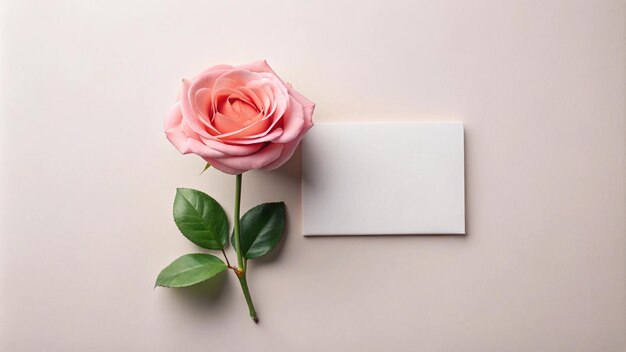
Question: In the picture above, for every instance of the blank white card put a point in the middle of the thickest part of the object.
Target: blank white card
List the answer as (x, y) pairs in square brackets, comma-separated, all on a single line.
[(383, 178)]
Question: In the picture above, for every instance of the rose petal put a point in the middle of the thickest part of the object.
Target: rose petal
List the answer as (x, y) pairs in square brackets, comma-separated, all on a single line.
[(225, 108), (188, 131), (278, 104), (288, 150), (223, 168), (205, 80), (286, 153), (235, 129), (267, 138), (189, 115), (203, 150), (173, 131), (219, 96), (290, 147), (263, 66), (293, 122), (244, 111), (257, 160), (208, 77), (232, 149), (308, 105), (261, 101), (279, 91), (234, 78), (203, 102)]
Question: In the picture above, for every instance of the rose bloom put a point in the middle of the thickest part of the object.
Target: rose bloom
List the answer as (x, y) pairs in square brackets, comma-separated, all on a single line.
[(239, 118)]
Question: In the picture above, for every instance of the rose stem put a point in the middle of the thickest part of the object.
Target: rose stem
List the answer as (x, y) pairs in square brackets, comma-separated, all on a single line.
[(241, 265), (225, 257)]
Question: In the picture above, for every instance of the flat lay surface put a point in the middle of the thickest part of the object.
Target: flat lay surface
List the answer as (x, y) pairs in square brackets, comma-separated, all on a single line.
[(88, 178)]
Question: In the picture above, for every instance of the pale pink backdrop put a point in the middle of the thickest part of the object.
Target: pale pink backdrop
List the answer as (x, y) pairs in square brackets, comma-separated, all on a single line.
[(87, 177)]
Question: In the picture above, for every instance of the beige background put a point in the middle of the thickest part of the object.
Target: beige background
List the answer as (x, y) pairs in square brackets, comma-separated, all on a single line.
[(87, 177)]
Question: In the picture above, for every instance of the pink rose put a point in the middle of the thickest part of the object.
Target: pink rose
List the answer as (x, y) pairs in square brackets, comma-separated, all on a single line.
[(239, 118)]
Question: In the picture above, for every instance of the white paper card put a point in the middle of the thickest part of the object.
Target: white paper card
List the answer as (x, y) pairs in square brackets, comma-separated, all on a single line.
[(383, 178)]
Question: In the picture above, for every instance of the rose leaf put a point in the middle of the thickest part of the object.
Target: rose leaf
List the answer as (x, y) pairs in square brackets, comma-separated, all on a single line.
[(261, 229), (190, 269), (200, 218)]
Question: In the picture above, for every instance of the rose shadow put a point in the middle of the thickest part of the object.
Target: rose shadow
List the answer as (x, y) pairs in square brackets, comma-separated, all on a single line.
[(204, 296)]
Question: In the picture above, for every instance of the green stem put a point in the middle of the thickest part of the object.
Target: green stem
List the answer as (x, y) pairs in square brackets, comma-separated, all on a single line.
[(236, 230), (225, 257), (241, 264), (246, 293)]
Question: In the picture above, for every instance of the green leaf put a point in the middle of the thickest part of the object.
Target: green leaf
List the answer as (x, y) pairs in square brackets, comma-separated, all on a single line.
[(261, 229), (190, 269), (206, 167), (200, 218)]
